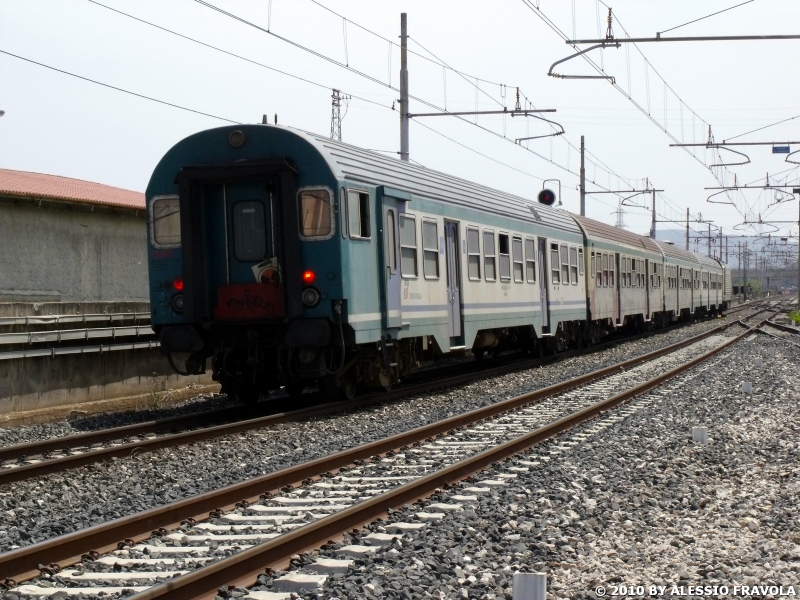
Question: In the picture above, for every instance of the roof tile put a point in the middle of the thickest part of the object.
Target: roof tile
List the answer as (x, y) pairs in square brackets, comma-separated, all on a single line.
[(55, 187)]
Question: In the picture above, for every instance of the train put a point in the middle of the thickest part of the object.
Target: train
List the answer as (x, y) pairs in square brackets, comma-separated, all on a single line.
[(280, 258)]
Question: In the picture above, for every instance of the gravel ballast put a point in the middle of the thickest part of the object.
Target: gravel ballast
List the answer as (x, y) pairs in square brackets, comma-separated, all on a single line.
[(39, 509), (636, 504)]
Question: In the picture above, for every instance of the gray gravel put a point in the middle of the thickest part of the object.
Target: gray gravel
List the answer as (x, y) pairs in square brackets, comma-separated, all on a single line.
[(637, 504), (40, 509)]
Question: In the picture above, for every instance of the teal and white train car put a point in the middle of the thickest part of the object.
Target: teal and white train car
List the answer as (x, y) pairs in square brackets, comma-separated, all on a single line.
[(289, 259)]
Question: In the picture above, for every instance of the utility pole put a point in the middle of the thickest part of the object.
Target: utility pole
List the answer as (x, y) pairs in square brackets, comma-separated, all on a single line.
[(653, 219), (798, 258), (336, 115), (709, 240), (403, 88), (583, 182), (687, 227)]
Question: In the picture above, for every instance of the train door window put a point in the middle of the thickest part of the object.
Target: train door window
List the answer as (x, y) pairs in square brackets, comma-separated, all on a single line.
[(605, 270), (430, 249), (635, 275), (580, 261), (555, 272), (249, 231), (564, 264), (358, 214), (473, 253), (505, 258), (489, 256), (391, 245), (573, 266), (165, 222), (408, 246), (611, 270), (516, 256), (315, 214), (530, 260), (593, 265)]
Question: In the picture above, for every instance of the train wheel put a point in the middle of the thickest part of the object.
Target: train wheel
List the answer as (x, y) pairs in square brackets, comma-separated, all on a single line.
[(347, 391), (479, 354)]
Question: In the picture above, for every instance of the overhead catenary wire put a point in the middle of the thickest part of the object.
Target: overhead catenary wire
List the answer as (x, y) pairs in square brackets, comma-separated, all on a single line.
[(232, 54), (370, 77), (119, 89), (706, 17)]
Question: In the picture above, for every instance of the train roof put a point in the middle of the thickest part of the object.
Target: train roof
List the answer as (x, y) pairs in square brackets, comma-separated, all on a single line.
[(602, 231), (672, 251), (356, 164)]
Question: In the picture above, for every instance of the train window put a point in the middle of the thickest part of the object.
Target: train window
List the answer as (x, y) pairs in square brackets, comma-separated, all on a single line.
[(505, 259), (430, 249), (358, 214), (489, 264), (165, 215), (516, 255), (555, 272), (623, 275), (605, 270), (391, 243), (530, 261), (611, 270), (599, 270), (473, 253), (314, 211), (634, 274), (249, 231), (564, 264), (593, 266), (580, 261), (573, 266), (408, 246)]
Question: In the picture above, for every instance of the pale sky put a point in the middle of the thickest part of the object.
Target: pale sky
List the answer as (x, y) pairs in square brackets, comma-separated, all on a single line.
[(61, 125)]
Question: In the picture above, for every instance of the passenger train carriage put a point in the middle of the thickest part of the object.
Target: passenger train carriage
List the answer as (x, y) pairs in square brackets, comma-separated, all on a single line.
[(291, 260)]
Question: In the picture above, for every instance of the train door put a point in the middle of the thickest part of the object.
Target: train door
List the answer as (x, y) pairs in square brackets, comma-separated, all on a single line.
[(391, 309), (452, 260), (243, 244), (543, 284), (618, 286), (648, 285)]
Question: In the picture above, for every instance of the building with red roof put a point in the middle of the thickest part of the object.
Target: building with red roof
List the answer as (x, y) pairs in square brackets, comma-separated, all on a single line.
[(69, 240)]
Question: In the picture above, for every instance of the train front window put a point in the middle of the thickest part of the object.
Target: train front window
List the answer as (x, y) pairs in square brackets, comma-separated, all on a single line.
[(314, 212), (165, 222), (249, 231)]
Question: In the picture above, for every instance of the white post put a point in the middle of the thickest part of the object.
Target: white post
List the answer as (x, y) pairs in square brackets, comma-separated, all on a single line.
[(530, 586)]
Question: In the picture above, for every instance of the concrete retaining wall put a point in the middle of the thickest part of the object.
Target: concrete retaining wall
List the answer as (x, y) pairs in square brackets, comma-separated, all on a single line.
[(60, 383)]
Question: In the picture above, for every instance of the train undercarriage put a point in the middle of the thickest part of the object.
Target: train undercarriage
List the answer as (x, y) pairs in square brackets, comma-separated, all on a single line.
[(250, 362)]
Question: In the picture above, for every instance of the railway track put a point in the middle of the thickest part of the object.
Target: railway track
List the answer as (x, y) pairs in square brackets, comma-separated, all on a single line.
[(26, 461), (264, 521)]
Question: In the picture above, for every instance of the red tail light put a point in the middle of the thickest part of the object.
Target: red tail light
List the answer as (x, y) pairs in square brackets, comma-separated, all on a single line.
[(309, 277), (178, 284)]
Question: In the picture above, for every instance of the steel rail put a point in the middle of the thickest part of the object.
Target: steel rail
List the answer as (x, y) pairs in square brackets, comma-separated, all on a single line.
[(22, 563), (244, 567), (783, 327), (280, 411)]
